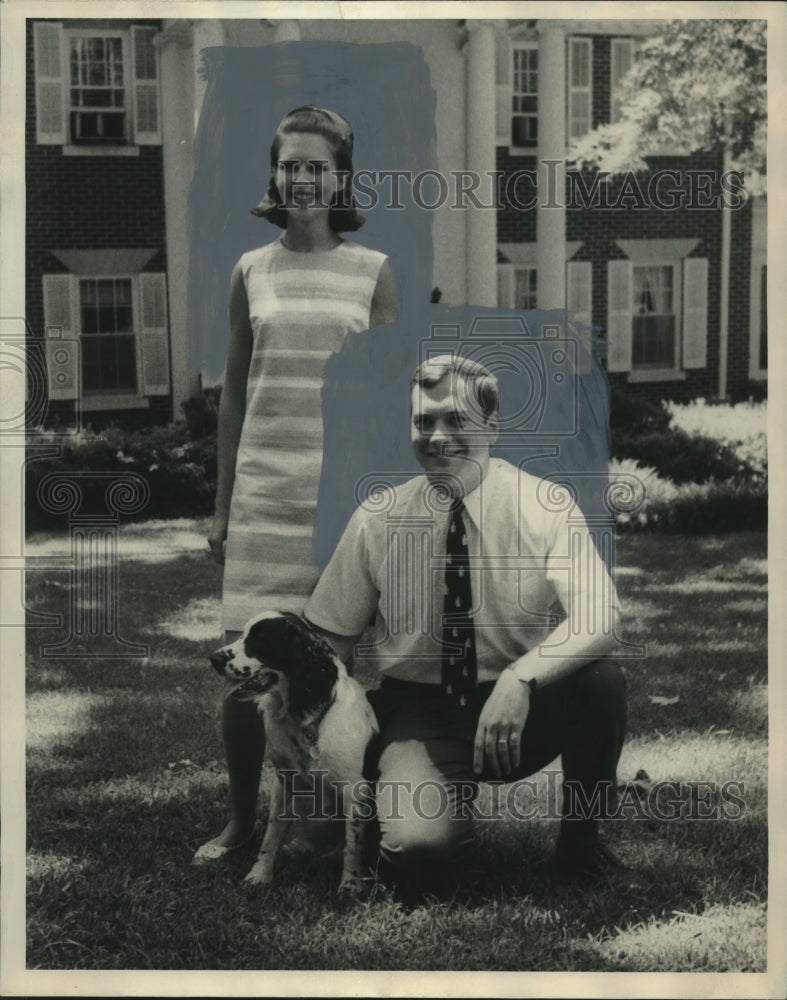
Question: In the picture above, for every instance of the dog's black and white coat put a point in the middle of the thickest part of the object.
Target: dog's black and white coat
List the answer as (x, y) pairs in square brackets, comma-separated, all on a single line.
[(317, 720)]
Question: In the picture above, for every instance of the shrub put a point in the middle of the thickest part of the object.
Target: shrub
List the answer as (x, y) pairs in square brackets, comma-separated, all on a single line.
[(180, 473), (629, 414), (201, 413), (703, 509), (642, 496), (740, 428), (679, 456)]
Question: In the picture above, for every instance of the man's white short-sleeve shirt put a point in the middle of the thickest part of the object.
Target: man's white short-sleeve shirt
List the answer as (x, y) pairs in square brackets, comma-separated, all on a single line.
[(529, 547)]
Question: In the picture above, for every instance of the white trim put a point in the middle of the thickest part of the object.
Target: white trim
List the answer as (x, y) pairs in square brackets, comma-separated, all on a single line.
[(644, 251), (523, 254), (656, 375), (69, 150), (96, 401)]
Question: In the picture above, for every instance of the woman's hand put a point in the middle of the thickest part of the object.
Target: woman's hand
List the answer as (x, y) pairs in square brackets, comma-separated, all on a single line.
[(217, 538)]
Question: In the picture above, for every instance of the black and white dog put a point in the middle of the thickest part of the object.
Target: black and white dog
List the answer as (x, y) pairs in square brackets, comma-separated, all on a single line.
[(318, 726)]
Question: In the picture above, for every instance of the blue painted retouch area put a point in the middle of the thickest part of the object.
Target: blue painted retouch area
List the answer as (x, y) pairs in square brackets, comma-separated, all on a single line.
[(554, 405), (384, 93), (553, 394)]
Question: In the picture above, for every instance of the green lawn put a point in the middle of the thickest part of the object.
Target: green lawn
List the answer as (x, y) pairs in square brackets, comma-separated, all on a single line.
[(125, 780)]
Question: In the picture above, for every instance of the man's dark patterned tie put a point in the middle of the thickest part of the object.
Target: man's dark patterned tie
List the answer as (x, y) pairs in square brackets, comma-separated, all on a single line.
[(459, 667)]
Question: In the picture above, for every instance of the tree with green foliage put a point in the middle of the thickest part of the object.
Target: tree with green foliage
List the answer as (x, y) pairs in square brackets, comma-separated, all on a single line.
[(694, 85)]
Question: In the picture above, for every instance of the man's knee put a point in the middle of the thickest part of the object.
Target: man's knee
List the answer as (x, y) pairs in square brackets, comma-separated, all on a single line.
[(424, 824)]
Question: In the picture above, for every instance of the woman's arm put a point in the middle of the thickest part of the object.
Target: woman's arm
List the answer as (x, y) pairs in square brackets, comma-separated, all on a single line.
[(384, 308), (232, 408)]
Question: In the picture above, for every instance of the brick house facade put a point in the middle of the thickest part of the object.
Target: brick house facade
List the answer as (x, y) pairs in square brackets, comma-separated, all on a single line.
[(616, 242), (95, 240), (510, 95)]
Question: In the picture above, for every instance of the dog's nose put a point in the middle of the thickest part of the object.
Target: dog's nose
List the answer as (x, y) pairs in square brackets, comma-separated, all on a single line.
[(219, 659)]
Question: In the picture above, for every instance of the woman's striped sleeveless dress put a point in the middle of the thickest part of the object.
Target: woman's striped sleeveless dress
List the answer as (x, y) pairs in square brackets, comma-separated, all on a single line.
[(302, 306)]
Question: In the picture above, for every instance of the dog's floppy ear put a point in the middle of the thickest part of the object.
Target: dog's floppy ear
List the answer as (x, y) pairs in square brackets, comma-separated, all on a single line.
[(311, 668), (288, 644)]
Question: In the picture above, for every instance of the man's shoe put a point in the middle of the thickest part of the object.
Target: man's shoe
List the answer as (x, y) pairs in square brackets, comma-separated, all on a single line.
[(584, 859)]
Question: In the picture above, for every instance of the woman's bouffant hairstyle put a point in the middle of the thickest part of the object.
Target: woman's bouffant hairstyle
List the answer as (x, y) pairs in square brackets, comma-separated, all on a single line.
[(342, 216)]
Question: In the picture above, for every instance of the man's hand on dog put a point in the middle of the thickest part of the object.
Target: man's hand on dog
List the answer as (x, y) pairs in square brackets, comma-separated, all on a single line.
[(217, 539), (499, 734)]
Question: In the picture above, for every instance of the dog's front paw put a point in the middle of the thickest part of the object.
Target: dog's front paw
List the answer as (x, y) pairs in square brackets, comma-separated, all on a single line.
[(261, 874)]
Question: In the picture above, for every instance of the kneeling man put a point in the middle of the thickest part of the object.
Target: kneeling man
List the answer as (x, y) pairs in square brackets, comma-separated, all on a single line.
[(457, 571)]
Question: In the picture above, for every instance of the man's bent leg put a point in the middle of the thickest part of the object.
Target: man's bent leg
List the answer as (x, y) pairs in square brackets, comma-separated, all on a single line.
[(593, 736), (425, 783)]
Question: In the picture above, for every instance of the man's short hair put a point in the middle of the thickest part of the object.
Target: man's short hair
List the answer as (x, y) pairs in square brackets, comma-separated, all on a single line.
[(482, 394)]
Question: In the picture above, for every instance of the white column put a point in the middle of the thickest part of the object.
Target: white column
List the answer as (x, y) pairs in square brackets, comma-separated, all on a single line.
[(481, 222), (206, 33), (551, 211), (178, 97)]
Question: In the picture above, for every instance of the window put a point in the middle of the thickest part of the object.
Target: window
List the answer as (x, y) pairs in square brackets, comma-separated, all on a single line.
[(525, 280), (97, 91), (117, 326), (96, 87), (657, 311), (580, 87), (524, 97), (108, 342), (621, 59), (516, 287), (653, 328)]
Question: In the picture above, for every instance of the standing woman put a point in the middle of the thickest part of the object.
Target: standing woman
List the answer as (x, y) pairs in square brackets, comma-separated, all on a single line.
[(292, 303)]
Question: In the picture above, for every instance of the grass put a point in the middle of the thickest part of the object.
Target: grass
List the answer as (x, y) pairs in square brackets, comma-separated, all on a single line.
[(125, 780)]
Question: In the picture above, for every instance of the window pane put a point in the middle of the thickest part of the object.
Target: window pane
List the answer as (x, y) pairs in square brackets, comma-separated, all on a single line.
[(525, 288), (653, 290), (653, 342)]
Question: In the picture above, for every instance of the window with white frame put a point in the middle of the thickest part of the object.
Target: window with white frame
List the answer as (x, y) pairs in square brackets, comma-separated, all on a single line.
[(525, 287), (580, 87), (654, 324), (657, 314), (524, 95), (516, 287), (112, 333), (106, 314), (96, 87)]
